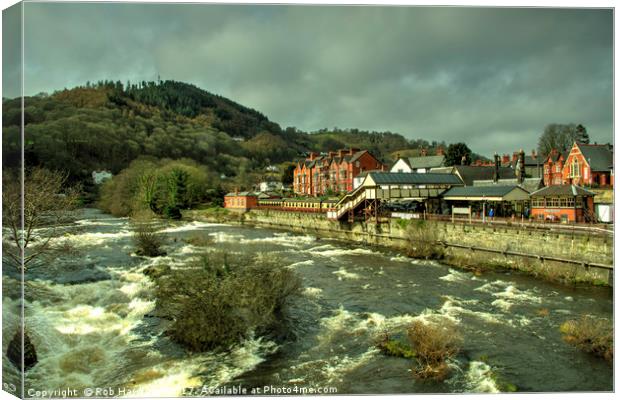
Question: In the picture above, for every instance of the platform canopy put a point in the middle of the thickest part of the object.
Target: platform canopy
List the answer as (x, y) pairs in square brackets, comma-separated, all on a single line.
[(487, 193), (563, 190), (409, 178)]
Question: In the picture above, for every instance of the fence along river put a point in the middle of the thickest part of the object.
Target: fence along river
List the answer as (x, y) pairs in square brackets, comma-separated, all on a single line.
[(88, 316)]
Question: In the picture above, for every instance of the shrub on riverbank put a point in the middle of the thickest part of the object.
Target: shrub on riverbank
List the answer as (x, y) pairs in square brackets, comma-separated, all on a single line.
[(591, 335), (219, 299), (422, 240), (147, 240), (433, 343)]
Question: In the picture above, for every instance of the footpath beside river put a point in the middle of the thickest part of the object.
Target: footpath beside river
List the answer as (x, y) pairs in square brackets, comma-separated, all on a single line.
[(575, 257)]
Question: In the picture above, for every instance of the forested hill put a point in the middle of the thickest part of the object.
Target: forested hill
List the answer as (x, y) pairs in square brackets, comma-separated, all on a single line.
[(108, 124)]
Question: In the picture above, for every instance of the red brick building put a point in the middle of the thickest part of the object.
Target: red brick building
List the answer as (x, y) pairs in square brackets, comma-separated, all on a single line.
[(240, 201), (589, 165), (562, 203), (334, 171), (552, 168)]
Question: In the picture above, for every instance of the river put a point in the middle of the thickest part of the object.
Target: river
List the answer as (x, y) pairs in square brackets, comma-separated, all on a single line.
[(89, 317)]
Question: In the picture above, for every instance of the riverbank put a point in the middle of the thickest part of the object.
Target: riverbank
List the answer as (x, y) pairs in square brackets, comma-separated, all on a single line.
[(571, 258)]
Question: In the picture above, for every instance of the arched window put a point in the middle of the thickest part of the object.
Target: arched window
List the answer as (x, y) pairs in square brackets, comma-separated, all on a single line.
[(574, 169)]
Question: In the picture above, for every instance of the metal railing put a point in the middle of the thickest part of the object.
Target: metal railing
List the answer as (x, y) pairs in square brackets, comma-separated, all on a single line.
[(514, 222)]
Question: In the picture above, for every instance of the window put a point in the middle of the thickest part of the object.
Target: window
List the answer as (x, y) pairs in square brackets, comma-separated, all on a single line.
[(574, 169), (553, 202)]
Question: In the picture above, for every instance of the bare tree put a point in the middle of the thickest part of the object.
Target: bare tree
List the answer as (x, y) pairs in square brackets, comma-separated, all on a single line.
[(48, 203), (561, 137)]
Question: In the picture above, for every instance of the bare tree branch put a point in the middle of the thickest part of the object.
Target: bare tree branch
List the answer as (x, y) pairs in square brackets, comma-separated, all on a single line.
[(48, 202)]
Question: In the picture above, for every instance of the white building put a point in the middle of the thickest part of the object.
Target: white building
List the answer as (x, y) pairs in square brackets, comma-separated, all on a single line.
[(270, 186), (420, 165), (101, 176)]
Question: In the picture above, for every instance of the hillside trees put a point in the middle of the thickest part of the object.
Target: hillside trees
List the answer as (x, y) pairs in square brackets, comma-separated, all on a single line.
[(106, 125), (267, 146), (163, 187)]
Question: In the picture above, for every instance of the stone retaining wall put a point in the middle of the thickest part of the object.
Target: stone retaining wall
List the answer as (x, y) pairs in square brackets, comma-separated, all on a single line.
[(595, 249)]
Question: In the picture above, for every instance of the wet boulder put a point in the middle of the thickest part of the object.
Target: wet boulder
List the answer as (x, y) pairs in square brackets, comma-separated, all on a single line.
[(14, 351), (156, 271)]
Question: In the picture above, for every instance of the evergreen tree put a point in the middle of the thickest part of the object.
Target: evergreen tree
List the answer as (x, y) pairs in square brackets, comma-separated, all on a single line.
[(582, 135), (458, 154)]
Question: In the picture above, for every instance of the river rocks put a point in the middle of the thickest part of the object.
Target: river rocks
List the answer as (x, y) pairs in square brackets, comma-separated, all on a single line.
[(156, 271), (82, 360), (14, 351), (116, 296), (69, 273), (84, 276)]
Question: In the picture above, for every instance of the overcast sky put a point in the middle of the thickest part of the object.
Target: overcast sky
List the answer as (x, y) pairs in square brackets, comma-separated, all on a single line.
[(490, 77)]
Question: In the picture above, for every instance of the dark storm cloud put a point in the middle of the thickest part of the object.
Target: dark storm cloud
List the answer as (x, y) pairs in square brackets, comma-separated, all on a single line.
[(491, 77), (11, 51)]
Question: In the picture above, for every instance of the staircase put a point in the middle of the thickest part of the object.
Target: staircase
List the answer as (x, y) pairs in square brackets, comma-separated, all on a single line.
[(349, 202)]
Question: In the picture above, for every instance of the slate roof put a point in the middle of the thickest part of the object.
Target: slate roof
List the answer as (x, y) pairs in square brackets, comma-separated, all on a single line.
[(555, 156), (469, 173), (425, 161), (529, 184), (413, 178), (241, 194), (479, 191), (363, 174), (358, 155), (562, 190), (268, 195), (599, 156), (534, 161)]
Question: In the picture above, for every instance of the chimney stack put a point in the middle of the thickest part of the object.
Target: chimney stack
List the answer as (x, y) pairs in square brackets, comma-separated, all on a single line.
[(313, 156), (423, 152), (353, 151), (440, 151), (332, 154), (520, 167), (496, 172), (341, 153)]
